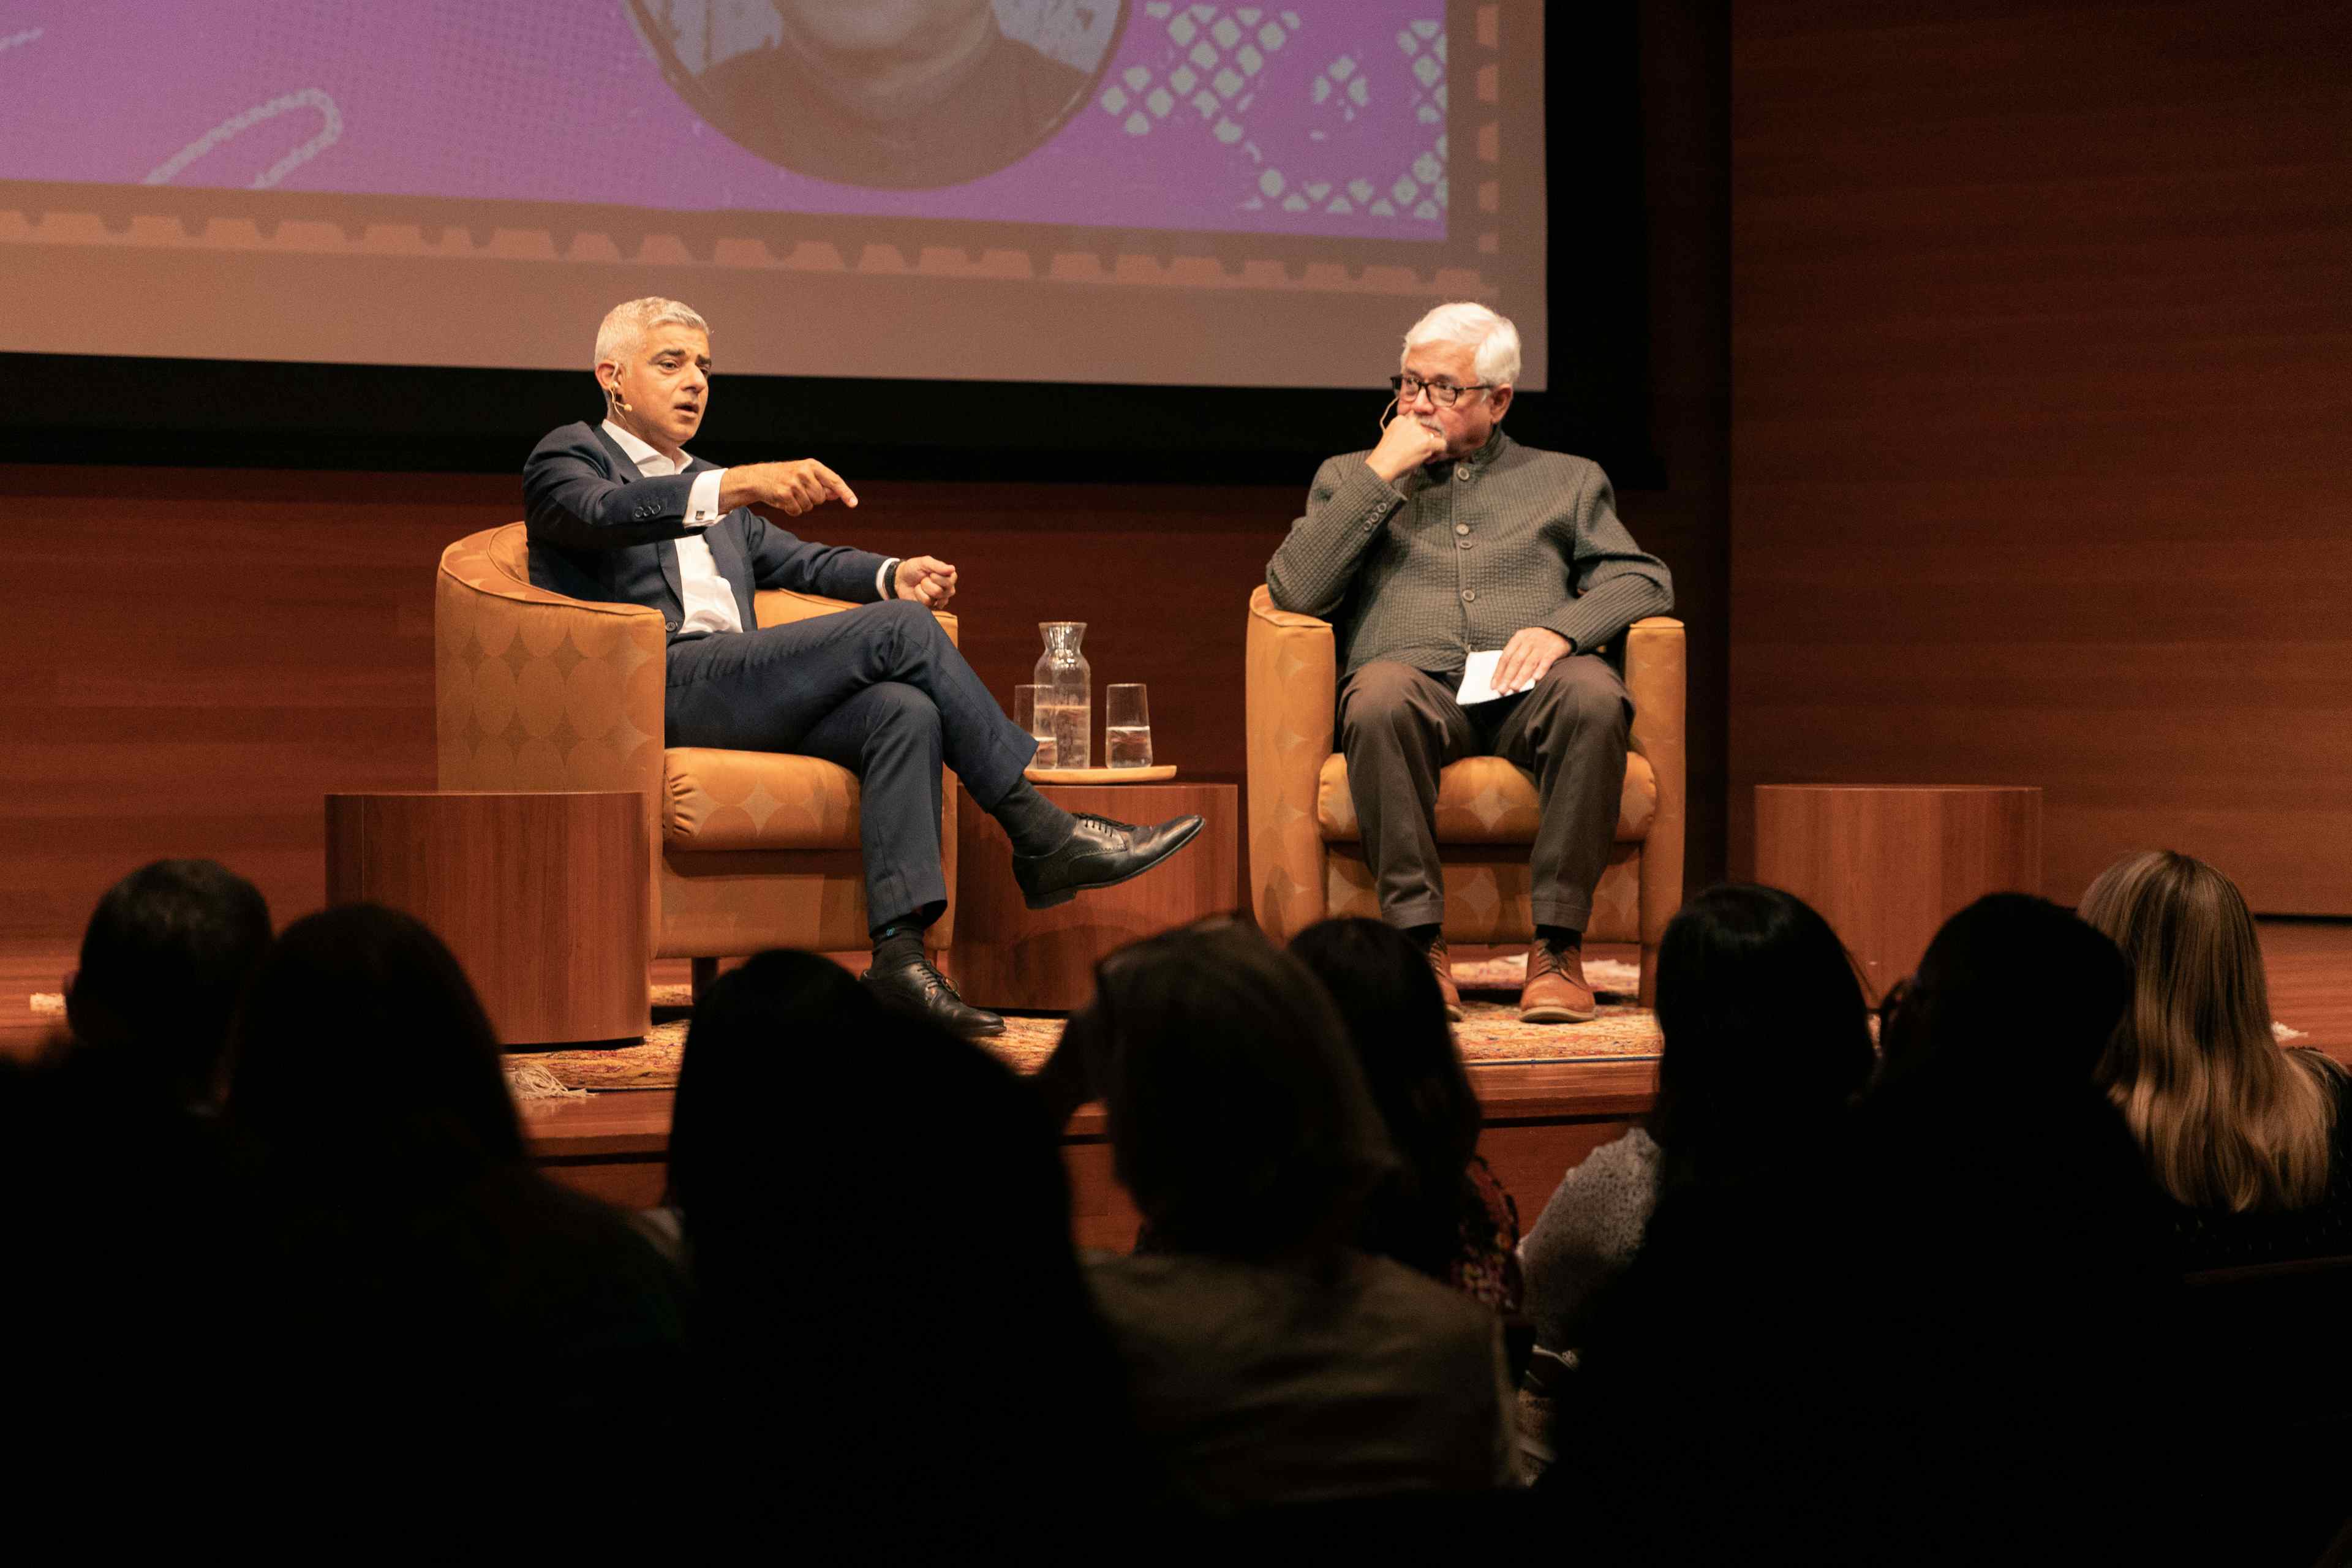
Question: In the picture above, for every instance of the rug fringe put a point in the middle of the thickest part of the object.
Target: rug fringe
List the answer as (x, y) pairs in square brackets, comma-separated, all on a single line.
[(529, 1081)]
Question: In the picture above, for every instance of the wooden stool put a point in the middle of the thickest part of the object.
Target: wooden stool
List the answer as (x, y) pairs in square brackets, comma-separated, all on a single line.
[(543, 899), (1886, 865), (1007, 954)]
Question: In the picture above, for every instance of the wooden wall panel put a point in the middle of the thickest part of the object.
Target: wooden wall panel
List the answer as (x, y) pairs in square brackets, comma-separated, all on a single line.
[(2041, 326), (189, 661)]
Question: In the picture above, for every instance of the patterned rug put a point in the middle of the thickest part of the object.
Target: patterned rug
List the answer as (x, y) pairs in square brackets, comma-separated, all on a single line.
[(1490, 1035)]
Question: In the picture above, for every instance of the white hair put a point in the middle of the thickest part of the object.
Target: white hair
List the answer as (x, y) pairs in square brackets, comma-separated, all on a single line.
[(1473, 327), (623, 328)]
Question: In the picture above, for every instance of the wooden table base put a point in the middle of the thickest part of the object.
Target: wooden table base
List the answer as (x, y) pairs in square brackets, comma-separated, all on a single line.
[(1009, 955), (1888, 865), (541, 896)]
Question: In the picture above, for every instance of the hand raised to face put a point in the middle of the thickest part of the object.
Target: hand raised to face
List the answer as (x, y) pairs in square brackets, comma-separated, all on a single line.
[(1406, 445)]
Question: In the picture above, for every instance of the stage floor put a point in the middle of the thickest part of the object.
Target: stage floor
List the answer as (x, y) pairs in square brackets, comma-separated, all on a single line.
[(1542, 1118)]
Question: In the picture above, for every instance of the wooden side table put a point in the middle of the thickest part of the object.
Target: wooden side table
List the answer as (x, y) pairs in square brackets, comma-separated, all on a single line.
[(542, 898), (1009, 955), (1886, 865)]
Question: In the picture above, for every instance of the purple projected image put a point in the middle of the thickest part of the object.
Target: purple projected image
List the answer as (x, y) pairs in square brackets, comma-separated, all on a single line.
[(1321, 119)]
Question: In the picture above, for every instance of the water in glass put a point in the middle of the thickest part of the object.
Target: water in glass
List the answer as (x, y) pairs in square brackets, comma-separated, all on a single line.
[(1126, 725), (1128, 745)]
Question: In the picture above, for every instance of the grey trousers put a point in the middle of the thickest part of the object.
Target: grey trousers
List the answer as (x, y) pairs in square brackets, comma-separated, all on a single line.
[(1399, 725)]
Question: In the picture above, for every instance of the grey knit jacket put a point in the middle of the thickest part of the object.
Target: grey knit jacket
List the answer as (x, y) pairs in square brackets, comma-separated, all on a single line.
[(1456, 557), (1586, 1236)]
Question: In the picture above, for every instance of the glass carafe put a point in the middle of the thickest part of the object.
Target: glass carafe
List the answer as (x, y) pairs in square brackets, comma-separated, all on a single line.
[(1066, 692)]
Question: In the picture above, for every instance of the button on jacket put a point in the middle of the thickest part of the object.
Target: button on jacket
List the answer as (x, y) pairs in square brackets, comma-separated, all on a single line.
[(1456, 557)]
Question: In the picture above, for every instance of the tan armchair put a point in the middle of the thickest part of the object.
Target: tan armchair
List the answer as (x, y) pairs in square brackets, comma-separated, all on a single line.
[(1307, 860), (537, 691)]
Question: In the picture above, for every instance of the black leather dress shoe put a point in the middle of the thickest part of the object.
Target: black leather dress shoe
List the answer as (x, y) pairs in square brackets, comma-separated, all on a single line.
[(917, 990), (1099, 854)]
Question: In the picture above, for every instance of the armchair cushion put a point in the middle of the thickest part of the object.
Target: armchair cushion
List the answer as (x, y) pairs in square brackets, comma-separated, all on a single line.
[(1484, 800), (715, 799)]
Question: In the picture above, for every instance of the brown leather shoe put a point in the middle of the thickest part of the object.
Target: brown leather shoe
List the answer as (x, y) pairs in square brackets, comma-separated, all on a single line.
[(1443, 967), (1555, 992)]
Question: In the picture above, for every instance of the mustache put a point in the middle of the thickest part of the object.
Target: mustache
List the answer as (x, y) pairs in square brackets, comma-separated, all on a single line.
[(1389, 413)]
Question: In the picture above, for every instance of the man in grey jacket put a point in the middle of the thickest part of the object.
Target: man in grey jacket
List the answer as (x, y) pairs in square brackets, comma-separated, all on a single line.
[(1449, 539)]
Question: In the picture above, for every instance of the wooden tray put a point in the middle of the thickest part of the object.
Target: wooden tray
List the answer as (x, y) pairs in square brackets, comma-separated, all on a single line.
[(1158, 774)]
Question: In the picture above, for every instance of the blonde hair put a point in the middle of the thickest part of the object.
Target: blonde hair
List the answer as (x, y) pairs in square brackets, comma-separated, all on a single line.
[(2226, 1118)]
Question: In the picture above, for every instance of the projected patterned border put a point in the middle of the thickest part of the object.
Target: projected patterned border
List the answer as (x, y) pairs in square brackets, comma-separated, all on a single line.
[(161, 216)]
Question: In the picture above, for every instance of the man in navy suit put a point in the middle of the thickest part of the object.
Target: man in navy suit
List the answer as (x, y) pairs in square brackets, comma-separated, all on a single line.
[(619, 512)]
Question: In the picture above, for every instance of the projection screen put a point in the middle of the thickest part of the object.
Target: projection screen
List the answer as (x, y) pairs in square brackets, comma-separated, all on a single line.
[(1109, 191)]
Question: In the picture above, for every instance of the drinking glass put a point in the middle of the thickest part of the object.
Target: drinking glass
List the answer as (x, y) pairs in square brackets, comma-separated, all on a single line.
[(1127, 727), (1039, 725)]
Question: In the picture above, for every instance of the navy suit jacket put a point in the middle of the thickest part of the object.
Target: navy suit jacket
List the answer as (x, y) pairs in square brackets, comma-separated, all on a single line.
[(601, 530)]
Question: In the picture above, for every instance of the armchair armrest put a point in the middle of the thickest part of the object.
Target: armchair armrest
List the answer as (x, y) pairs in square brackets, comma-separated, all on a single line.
[(1656, 676), (537, 691), (778, 606), (1289, 694)]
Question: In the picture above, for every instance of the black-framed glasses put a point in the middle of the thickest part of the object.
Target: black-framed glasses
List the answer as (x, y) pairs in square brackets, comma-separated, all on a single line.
[(1444, 393)]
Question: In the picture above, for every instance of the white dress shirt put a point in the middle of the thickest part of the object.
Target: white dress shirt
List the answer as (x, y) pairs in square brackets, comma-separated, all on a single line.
[(709, 597)]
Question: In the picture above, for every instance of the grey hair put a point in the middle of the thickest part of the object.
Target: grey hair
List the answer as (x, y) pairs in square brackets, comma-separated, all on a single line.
[(623, 328), (1475, 327)]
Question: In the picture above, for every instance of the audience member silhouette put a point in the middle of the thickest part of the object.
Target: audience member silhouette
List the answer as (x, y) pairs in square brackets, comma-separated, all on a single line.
[(1928, 1340), (132, 1304), (1441, 1211), (893, 1332), (1270, 1361), (2253, 1143), (1766, 1044), (164, 959), (428, 1267)]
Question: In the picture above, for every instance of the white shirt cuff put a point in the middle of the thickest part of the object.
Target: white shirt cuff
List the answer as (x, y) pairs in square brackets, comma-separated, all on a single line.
[(702, 500), (882, 578)]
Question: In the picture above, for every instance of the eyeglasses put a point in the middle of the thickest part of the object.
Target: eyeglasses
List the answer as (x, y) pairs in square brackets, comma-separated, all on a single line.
[(1444, 393)]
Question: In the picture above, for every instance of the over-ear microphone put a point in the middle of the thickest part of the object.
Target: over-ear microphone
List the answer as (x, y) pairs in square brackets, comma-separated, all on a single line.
[(613, 394)]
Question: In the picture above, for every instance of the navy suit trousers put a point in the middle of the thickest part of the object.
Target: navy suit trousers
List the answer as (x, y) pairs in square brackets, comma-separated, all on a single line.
[(879, 689)]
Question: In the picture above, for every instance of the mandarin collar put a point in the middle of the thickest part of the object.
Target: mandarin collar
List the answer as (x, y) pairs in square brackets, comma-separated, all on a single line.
[(1496, 440)]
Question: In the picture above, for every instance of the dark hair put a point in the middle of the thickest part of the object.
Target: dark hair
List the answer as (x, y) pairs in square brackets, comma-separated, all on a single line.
[(1395, 1022), (2014, 995), (416, 1245), (362, 1045), (765, 1034), (164, 958), (1767, 1035), (1239, 1121), (878, 1222)]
